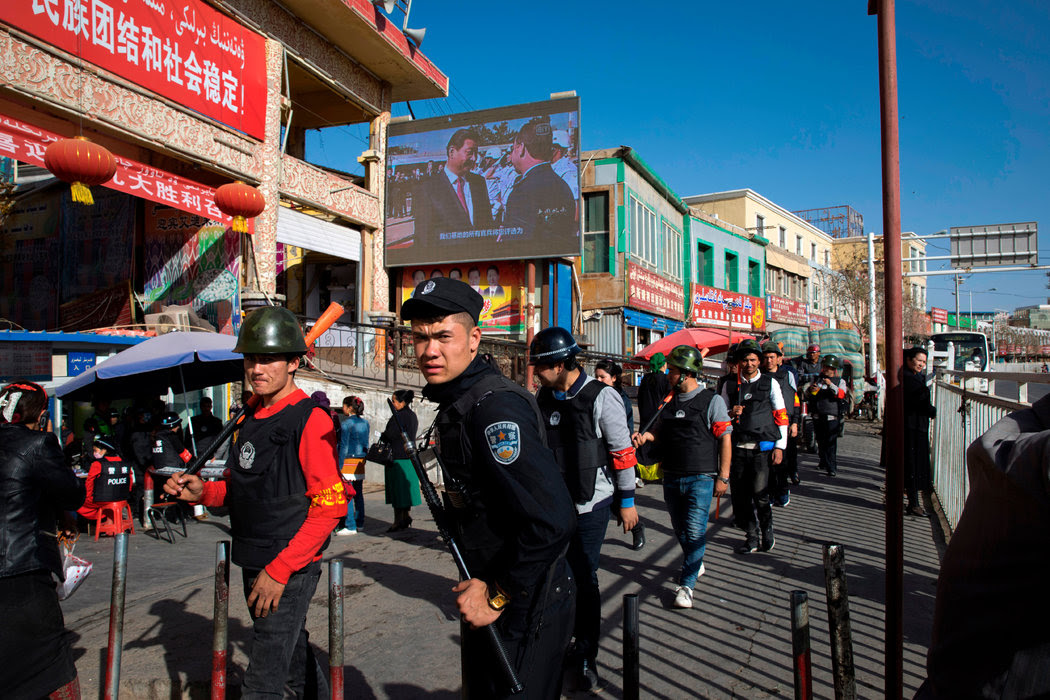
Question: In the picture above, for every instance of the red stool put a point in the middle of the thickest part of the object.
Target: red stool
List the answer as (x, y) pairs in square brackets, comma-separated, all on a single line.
[(111, 519)]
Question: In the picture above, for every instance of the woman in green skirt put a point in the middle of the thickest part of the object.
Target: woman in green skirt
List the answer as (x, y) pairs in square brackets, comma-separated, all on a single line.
[(402, 484)]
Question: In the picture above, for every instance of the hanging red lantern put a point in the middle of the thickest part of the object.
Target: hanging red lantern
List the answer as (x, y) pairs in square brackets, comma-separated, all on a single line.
[(240, 201), (81, 163)]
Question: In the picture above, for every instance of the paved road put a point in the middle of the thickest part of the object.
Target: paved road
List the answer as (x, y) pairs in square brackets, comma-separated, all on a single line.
[(401, 632), (1008, 390)]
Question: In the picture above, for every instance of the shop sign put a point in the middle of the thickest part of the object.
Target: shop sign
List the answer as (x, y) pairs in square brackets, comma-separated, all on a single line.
[(816, 321), (939, 315), (649, 291), (27, 144), (185, 51), (845, 325), (30, 361), (717, 307), (1044, 349), (500, 284), (79, 362), (786, 310)]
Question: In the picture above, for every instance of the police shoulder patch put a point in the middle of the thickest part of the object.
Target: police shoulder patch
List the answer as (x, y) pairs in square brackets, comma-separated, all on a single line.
[(504, 441)]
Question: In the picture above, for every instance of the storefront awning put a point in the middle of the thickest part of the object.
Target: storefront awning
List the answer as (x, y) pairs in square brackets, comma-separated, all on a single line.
[(305, 231)]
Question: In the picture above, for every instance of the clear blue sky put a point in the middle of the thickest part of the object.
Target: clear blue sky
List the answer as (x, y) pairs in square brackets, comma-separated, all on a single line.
[(781, 98)]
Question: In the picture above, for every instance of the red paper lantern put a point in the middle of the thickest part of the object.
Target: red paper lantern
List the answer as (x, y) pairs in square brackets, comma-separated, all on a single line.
[(240, 201), (80, 163)]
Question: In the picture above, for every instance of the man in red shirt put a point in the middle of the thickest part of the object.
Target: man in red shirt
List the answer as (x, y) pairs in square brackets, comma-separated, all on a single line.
[(285, 497)]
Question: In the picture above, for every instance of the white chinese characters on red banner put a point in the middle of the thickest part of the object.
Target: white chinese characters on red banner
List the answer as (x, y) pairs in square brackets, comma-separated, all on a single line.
[(649, 291), (786, 310), (717, 307), (27, 143), (816, 321), (939, 315), (184, 51)]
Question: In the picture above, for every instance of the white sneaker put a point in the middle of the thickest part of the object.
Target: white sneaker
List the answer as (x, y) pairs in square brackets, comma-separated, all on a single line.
[(703, 570), (683, 597), (345, 531)]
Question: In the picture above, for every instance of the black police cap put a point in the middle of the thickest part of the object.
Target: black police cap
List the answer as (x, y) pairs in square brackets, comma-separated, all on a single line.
[(442, 296)]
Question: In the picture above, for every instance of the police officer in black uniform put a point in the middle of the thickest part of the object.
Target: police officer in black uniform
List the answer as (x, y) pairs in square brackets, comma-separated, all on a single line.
[(513, 516), (115, 478), (826, 397), (169, 454)]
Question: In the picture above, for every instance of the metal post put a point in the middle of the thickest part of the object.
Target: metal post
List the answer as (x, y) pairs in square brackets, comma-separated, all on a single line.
[(147, 499), (800, 645), (220, 620), (116, 616), (873, 342), (335, 628), (838, 620), (530, 318), (958, 325), (893, 434), (631, 638)]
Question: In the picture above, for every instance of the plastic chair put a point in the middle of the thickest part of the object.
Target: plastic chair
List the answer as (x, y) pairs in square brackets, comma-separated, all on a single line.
[(160, 511), (111, 519)]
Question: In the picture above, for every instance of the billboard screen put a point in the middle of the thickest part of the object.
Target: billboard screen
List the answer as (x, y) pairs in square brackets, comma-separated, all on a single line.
[(498, 184)]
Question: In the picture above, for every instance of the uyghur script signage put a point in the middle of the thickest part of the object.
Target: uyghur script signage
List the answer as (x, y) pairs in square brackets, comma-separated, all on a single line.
[(717, 307), (786, 310), (649, 291), (180, 49)]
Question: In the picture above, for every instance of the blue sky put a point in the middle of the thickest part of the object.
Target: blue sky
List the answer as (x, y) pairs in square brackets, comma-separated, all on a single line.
[(782, 98)]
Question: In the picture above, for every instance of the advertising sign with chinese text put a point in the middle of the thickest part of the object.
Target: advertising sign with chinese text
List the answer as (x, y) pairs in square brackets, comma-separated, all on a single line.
[(649, 291), (939, 315), (786, 310), (183, 50), (817, 321), (717, 307), (500, 284)]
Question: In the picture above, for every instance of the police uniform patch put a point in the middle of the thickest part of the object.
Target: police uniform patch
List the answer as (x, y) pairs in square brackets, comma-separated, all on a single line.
[(556, 418), (504, 440), (679, 414), (429, 287), (247, 456)]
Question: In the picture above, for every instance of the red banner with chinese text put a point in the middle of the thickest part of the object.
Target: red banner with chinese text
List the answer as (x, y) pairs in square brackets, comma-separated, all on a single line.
[(717, 307), (939, 315), (786, 310), (187, 51), (649, 291)]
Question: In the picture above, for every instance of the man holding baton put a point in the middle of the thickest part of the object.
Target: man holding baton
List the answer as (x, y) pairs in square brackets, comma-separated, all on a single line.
[(510, 510), (285, 497)]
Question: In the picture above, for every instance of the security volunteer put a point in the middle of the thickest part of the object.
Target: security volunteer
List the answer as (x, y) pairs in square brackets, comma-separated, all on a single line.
[(169, 453), (759, 438), (513, 514), (826, 397), (696, 433), (785, 473), (587, 429), (109, 478), (285, 497)]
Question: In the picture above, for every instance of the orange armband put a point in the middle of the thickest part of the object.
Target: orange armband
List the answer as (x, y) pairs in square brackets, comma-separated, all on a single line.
[(624, 459)]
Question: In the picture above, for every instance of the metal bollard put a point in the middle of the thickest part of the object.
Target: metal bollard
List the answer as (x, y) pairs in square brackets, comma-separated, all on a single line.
[(335, 628), (800, 645), (220, 620), (631, 639), (116, 616), (838, 619), (147, 499)]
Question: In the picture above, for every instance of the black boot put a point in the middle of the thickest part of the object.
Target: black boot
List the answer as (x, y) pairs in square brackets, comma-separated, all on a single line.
[(588, 678), (638, 532), (767, 538)]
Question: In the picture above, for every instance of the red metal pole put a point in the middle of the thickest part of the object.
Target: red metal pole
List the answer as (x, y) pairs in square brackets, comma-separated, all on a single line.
[(893, 433), (220, 620), (115, 647), (336, 594), (530, 318)]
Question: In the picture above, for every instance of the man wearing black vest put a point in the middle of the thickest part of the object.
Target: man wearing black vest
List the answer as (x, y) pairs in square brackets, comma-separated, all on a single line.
[(512, 514), (285, 497), (694, 430), (786, 472), (587, 429), (205, 426), (760, 425), (109, 478), (826, 397)]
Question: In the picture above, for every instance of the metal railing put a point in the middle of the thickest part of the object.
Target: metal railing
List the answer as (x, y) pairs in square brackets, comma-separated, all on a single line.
[(965, 411)]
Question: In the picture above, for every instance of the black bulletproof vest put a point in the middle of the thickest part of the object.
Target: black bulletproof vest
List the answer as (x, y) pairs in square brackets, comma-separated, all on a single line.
[(166, 450), (573, 436), (267, 489), (783, 379), (114, 482), (689, 445), (827, 403), (756, 424)]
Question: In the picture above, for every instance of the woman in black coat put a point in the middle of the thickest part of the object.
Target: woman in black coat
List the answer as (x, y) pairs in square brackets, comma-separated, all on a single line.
[(917, 413), (402, 484)]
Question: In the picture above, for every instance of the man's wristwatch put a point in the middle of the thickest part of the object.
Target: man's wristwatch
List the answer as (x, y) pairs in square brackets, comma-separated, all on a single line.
[(498, 599), (723, 479)]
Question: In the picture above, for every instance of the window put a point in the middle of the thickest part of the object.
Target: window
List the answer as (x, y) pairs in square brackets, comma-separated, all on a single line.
[(827, 258), (798, 244), (783, 277), (816, 297), (643, 233), (732, 281), (813, 252), (754, 278), (760, 225), (705, 264), (771, 281), (672, 262), (783, 238), (596, 232)]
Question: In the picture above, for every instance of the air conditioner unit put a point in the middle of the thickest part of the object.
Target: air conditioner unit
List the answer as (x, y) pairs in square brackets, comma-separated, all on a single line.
[(177, 318)]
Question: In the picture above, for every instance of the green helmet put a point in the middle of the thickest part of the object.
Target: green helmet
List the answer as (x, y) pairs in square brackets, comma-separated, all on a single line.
[(686, 358), (271, 330), (831, 361), (747, 347)]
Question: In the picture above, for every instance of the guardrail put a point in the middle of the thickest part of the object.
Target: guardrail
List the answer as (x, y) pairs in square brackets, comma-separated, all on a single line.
[(967, 406)]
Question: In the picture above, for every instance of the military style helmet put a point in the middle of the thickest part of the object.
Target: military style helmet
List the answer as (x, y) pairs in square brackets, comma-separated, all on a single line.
[(271, 330), (813, 348), (771, 346), (551, 345), (686, 358), (105, 443), (831, 361), (170, 419), (747, 347)]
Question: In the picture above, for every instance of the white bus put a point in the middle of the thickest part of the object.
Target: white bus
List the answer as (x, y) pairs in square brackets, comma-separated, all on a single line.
[(969, 351)]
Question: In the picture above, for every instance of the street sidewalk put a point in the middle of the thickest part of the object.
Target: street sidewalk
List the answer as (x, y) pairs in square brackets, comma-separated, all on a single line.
[(402, 630)]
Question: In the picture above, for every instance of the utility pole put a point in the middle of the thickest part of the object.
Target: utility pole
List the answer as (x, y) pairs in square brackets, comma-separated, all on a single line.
[(873, 345), (957, 280)]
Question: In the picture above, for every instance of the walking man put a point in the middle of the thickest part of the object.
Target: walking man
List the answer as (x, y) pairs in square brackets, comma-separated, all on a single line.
[(587, 429), (826, 396), (785, 473), (285, 497), (760, 425), (512, 514), (695, 432)]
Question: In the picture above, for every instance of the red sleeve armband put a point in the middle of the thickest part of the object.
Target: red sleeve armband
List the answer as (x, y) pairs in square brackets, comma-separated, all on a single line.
[(624, 459)]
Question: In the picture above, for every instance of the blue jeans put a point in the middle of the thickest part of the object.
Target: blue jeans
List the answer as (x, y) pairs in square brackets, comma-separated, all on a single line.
[(584, 550), (355, 508), (280, 658), (688, 501)]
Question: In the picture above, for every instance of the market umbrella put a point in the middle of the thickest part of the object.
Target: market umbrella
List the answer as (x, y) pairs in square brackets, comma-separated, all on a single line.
[(182, 361), (713, 339)]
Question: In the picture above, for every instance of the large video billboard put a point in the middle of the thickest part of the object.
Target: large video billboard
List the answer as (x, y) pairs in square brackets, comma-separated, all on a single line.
[(497, 184), (501, 284)]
